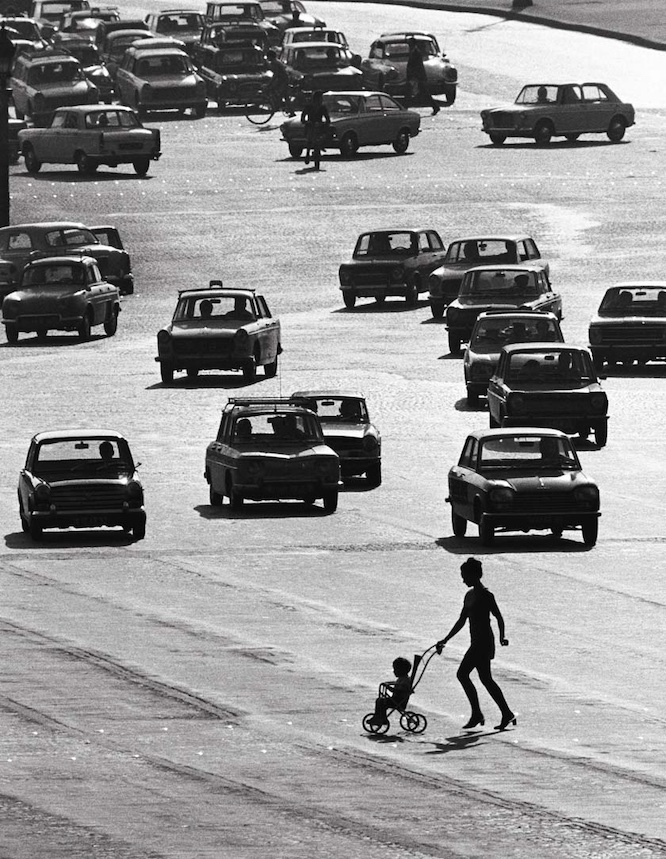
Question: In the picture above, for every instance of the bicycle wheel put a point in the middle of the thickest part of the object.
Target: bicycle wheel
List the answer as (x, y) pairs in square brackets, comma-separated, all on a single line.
[(260, 112)]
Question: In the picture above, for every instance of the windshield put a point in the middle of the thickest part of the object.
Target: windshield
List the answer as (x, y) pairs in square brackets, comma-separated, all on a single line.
[(240, 56), (70, 238), (90, 457), (634, 301), (538, 94), (491, 334), (401, 50), (290, 427), (341, 104), (237, 11), (338, 410), (481, 252), (185, 22), (25, 28), (385, 244), (223, 310), (167, 64), (507, 286), (56, 73), (559, 368), (528, 452), (319, 56), (54, 275), (275, 7)]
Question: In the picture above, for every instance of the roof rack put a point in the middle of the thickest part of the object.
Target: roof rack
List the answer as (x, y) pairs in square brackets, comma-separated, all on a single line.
[(217, 284), (278, 402)]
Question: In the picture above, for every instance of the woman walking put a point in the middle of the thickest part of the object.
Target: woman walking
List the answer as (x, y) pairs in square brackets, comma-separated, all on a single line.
[(314, 118), (478, 605)]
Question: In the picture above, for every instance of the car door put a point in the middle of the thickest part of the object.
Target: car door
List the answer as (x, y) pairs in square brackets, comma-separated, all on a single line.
[(218, 456), (569, 118), (598, 110), (496, 391), (461, 480), (64, 137), (268, 330), (100, 294), (392, 118), (547, 299), (371, 122)]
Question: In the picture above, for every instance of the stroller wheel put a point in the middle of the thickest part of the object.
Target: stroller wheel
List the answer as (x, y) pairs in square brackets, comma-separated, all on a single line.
[(373, 728), (415, 723)]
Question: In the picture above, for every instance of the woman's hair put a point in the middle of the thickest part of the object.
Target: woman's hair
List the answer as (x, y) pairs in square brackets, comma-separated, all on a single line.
[(472, 567)]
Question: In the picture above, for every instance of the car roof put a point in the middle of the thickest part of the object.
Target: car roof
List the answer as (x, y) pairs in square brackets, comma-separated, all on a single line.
[(539, 346), (50, 225), (509, 431), (301, 46), (61, 259), (91, 108), (164, 50), (490, 238), (48, 56), (513, 314), (253, 404), (512, 266), (327, 392), (178, 12), (633, 284), (406, 34), (397, 229), (64, 434), (114, 34), (207, 291)]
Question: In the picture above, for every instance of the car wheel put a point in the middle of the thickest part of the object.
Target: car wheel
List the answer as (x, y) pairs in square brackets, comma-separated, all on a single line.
[(221, 105), (295, 150), (235, 498), (166, 372), (331, 500), (401, 143), (496, 138), (454, 344), (200, 110), (83, 328), (412, 294), (486, 531), (214, 497), (572, 138), (84, 164), (270, 370), (32, 162), (450, 93), (349, 145), (598, 359), (11, 333), (380, 299), (250, 370), (601, 434), (41, 334), (472, 397), (349, 299), (35, 529), (373, 474), (590, 532), (139, 530), (437, 311), (543, 133), (111, 322), (459, 524), (141, 165), (557, 533), (616, 129), (192, 372)]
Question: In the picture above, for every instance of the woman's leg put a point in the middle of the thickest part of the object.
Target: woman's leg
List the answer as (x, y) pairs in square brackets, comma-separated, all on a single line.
[(467, 665), (486, 677)]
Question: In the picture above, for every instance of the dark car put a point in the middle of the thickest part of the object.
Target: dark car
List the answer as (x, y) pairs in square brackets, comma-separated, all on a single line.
[(183, 24), (80, 479), (495, 329), (94, 67), (348, 430), (286, 14), (543, 111), (323, 66), (61, 294), (551, 385), (21, 243), (630, 324), (219, 328), (391, 262), (471, 251), (270, 449), (234, 73), (519, 480), (235, 12), (357, 119), (516, 287)]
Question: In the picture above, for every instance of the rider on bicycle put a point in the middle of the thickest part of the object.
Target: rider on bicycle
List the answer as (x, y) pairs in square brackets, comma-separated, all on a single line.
[(278, 88)]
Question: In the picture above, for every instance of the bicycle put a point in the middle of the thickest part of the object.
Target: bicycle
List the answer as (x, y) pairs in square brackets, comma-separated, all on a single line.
[(266, 105)]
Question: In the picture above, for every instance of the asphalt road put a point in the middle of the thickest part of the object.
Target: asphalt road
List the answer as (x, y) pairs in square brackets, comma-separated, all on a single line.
[(199, 693)]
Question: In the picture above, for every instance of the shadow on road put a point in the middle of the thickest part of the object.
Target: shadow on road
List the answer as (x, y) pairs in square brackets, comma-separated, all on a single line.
[(74, 177), (554, 144), (70, 539), (263, 510), (526, 544), (395, 305)]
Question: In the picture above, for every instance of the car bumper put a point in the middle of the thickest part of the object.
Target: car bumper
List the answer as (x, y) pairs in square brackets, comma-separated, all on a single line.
[(273, 490), (375, 290), (540, 521), (82, 518), (570, 425), (44, 320), (351, 465), (203, 362)]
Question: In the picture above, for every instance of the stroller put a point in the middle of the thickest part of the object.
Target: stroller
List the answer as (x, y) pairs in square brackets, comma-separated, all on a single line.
[(414, 723)]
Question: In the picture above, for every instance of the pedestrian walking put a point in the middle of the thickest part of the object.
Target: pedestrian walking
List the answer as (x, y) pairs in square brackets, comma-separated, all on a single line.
[(478, 605), (314, 118), (417, 79)]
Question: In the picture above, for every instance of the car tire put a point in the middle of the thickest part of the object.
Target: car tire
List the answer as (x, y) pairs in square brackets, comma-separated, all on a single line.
[(200, 110), (32, 162), (486, 531), (331, 500), (601, 434), (412, 294), (380, 299), (141, 165), (270, 369), (401, 143), (35, 530), (215, 499), (472, 397), (349, 299), (458, 524), (166, 373), (381, 83), (11, 333), (590, 532), (373, 474), (41, 334), (492, 422), (454, 344), (111, 322), (139, 529), (437, 310), (235, 498), (349, 145), (616, 129), (192, 372), (450, 93), (250, 370), (126, 286), (295, 150), (496, 138), (83, 329), (598, 360), (85, 165), (572, 138), (543, 133), (557, 533)]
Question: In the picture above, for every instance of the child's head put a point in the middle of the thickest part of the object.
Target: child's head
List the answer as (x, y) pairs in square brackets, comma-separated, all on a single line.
[(401, 666)]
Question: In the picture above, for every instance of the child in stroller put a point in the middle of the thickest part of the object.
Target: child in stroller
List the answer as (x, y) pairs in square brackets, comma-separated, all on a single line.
[(395, 694)]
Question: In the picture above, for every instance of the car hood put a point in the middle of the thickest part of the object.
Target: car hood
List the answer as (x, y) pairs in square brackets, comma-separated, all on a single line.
[(350, 431), (554, 479), (481, 303), (91, 482), (38, 296), (379, 260), (286, 451)]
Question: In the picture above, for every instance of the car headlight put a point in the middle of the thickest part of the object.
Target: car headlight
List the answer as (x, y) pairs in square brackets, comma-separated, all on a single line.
[(588, 495), (370, 443), (255, 470), (163, 338), (345, 278), (42, 495), (516, 403), (241, 339), (501, 496), (595, 335), (452, 315), (598, 403), (134, 493), (397, 274)]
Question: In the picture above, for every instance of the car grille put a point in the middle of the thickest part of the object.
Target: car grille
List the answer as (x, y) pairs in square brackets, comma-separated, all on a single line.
[(100, 496), (172, 93), (633, 334), (451, 286), (203, 346), (501, 120), (345, 445), (377, 275), (546, 502), (40, 319), (285, 469)]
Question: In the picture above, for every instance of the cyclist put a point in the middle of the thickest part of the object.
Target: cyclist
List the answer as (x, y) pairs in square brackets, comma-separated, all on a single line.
[(278, 88)]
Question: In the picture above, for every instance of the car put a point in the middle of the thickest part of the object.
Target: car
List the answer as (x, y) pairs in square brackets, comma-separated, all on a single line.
[(313, 34), (321, 66), (386, 66), (80, 478), (630, 324), (271, 449), (45, 80), (113, 42), (223, 33), (21, 243), (235, 12), (219, 328), (48, 13), (493, 330), (14, 147), (27, 30), (550, 385), (61, 294), (184, 24), (488, 287), (150, 79), (89, 137), (286, 14), (234, 73), (85, 22), (471, 251), (348, 430), (94, 67), (527, 479), (358, 119), (543, 111), (391, 262)]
